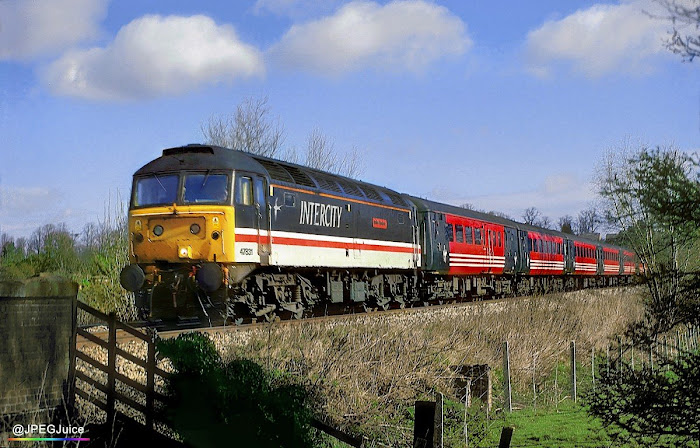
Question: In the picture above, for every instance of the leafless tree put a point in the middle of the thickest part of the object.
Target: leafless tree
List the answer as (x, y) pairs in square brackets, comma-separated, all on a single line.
[(531, 216), (322, 155), (588, 221), (250, 129), (566, 224), (685, 17), (320, 151), (500, 214)]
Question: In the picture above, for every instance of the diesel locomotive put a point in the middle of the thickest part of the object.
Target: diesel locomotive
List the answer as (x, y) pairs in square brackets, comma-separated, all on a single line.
[(229, 233)]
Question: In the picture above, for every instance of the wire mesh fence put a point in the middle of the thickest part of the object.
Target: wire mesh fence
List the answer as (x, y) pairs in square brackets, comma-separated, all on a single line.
[(551, 383)]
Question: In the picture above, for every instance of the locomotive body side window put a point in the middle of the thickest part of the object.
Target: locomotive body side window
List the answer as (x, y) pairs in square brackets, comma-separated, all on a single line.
[(288, 200), (244, 191), (450, 232), (468, 235), (477, 236), (459, 230)]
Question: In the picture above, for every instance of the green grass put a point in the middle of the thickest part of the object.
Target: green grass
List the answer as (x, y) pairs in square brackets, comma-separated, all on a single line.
[(569, 426)]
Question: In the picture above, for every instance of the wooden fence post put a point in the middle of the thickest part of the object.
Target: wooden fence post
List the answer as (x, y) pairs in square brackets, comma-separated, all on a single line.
[(438, 441), (150, 382), (593, 366), (424, 424), (467, 404), (573, 370), (506, 377), (111, 367), (506, 436)]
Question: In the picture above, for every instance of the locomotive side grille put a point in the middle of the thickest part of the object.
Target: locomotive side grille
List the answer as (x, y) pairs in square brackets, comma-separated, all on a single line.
[(327, 183), (371, 193), (395, 198), (277, 171), (300, 177), (350, 188)]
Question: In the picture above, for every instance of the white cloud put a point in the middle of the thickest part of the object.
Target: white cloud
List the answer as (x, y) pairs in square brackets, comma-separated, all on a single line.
[(599, 40), (30, 28), (153, 56), (401, 35)]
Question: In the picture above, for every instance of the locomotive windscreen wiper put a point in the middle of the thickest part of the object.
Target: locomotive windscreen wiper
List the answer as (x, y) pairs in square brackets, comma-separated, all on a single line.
[(161, 184)]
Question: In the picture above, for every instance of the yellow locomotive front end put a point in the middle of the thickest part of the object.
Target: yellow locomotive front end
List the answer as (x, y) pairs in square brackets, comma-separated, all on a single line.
[(181, 238)]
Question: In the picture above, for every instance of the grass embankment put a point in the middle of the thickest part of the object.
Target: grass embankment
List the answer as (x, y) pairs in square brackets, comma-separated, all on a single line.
[(368, 372)]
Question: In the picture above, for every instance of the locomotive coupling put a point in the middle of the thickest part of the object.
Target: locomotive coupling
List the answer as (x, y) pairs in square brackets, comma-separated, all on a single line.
[(132, 277)]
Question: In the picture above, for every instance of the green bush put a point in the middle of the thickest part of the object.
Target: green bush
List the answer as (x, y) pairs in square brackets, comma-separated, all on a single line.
[(238, 403)]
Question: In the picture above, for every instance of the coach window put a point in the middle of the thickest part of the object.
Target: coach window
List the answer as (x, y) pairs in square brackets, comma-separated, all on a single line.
[(459, 229), (477, 236), (244, 191), (468, 235)]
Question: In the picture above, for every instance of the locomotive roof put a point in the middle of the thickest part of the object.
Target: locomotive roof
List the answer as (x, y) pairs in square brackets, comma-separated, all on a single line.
[(204, 157), (199, 157)]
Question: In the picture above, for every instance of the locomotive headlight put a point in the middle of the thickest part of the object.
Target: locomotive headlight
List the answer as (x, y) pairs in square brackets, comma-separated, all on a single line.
[(215, 235), (194, 229), (158, 230)]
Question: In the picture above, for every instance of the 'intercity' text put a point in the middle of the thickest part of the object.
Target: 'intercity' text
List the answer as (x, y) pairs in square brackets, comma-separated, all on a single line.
[(317, 214)]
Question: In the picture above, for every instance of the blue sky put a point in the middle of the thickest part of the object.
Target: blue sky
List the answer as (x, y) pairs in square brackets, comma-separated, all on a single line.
[(505, 105)]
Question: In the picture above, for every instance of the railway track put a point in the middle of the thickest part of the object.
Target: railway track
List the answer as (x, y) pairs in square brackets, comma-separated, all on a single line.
[(124, 337)]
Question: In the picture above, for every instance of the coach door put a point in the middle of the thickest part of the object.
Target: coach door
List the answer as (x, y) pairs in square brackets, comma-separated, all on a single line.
[(262, 214), (490, 244), (511, 249), (569, 256)]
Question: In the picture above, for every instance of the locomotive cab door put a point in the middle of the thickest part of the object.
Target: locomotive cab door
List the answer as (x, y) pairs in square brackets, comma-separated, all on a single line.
[(262, 219), (252, 218)]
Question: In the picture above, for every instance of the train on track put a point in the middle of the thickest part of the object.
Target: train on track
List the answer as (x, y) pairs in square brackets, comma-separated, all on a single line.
[(215, 231)]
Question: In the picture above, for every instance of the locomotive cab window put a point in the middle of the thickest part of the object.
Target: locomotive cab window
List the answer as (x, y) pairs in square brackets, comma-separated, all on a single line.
[(244, 190), (206, 188), (156, 190)]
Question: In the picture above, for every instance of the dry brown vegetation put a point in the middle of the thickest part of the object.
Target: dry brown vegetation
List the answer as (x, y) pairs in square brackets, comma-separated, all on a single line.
[(369, 370)]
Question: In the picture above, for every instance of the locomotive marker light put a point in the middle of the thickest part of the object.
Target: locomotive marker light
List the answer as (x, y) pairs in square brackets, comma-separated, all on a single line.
[(132, 277)]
